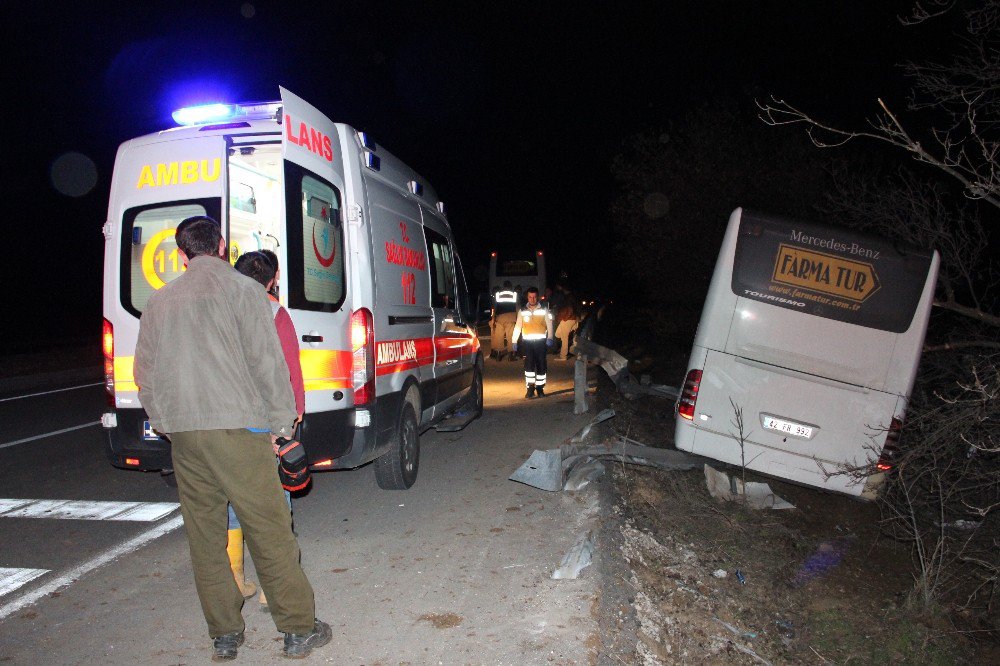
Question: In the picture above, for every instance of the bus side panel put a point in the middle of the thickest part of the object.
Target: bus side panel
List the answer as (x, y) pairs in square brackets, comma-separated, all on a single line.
[(720, 302), (905, 358)]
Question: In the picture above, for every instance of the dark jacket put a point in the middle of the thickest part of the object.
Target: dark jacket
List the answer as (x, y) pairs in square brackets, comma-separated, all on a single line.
[(208, 355)]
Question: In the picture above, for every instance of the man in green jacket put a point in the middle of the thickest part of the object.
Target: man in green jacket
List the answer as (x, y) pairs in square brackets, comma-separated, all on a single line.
[(212, 377)]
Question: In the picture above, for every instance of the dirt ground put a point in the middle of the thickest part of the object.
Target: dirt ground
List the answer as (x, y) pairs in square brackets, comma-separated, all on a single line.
[(817, 584)]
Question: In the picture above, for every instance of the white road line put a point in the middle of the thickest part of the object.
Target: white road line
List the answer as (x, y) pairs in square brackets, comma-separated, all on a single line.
[(11, 579), (91, 564), (32, 395), (86, 510), (49, 434)]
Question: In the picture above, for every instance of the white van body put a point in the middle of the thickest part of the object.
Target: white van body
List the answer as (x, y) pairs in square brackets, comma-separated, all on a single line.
[(368, 273), (815, 333)]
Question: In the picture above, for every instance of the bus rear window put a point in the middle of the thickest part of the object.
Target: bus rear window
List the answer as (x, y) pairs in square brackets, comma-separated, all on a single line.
[(829, 272), (149, 254), (517, 268)]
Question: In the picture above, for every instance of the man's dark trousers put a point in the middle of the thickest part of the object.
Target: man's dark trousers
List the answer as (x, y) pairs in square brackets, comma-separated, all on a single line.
[(238, 466), (535, 362)]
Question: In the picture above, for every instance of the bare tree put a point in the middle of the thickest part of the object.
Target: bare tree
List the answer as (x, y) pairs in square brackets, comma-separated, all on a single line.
[(963, 95), (910, 209)]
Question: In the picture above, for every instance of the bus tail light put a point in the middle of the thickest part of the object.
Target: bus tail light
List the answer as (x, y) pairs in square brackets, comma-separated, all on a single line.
[(891, 449), (363, 356), (689, 395), (108, 347)]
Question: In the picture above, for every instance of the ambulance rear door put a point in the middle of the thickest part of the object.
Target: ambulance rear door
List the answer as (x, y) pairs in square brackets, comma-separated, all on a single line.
[(315, 263), (156, 185)]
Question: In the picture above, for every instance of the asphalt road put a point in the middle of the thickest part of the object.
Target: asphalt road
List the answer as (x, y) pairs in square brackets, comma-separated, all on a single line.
[(456, 570)]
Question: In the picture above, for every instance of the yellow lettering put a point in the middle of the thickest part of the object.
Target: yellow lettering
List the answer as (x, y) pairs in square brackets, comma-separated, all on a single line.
[(189, 171), (207, 175), (145, 178), (185, 173), (166, 174)]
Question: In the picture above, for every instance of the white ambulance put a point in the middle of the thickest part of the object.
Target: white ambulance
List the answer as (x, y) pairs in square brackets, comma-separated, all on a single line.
[(369, 275), (815, 333)]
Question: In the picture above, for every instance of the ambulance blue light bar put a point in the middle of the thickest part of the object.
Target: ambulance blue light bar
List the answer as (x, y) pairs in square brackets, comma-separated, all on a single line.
[(415, 188), (366, 141), (213, 113)]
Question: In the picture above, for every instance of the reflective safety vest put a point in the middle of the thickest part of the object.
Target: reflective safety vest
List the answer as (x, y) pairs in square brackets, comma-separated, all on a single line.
[(504, 302), (505, 297), (533, 323)]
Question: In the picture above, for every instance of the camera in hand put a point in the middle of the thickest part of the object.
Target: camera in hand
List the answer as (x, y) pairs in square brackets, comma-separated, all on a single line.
[(293, 467)]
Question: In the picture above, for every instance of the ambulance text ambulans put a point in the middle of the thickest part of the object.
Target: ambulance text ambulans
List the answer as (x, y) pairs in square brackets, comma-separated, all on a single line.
[(369, 275)]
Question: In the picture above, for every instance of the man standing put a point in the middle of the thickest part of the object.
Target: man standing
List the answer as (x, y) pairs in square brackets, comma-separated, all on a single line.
[(534, 330), (212, 377), (503, 321)]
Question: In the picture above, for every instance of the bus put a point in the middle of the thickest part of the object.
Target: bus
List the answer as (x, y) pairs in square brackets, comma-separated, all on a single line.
[(521, 271), (813, 334)]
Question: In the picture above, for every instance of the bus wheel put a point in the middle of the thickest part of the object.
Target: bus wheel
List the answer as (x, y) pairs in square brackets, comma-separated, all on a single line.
[(397, 468)]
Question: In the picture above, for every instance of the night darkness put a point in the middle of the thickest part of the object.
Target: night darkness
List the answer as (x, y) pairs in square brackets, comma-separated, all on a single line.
[(514, 111)]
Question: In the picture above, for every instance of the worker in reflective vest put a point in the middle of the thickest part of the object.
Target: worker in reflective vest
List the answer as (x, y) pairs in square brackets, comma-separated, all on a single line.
[(503, 321), (533, 336)]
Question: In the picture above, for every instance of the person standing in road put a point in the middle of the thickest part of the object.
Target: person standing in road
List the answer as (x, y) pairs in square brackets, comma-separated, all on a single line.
[(567, 321), (262, 266), (533, 335), (503, 321), (209, 367)]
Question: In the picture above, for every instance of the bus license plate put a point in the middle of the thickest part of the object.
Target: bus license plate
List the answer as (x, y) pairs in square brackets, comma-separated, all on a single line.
[(787, 427), (148, 433)]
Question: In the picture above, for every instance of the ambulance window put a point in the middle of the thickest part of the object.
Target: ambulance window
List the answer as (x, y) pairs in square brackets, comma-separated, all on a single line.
[(315, 242), (241, 198), (442, 267), (149, 257), (464, 301)]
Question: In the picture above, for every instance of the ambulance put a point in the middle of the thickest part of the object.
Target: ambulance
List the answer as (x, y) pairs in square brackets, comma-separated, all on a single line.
[(814, 333), (368, 272)]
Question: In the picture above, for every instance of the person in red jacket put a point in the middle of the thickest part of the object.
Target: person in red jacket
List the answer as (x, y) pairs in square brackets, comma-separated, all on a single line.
[(260, 267)]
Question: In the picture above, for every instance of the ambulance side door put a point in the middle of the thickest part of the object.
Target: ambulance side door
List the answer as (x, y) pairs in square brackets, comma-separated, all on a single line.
[(450, 336)]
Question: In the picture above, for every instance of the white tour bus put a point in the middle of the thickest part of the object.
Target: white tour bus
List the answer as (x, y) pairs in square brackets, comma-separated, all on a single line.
[(369, 274), (815, 333), (521, 272)]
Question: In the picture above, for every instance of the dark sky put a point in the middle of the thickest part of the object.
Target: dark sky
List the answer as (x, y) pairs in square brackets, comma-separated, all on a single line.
[(512, 110)]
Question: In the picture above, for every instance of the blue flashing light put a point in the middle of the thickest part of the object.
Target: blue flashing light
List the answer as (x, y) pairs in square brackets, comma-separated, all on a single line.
[(367, 142), (205, 113), (372, 161), (416, 188), (215, 113)]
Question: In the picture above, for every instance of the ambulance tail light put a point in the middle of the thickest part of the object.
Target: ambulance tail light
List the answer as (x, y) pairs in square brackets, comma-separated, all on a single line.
[(890, 452), (363, 356), (689, 395), (108, 347)]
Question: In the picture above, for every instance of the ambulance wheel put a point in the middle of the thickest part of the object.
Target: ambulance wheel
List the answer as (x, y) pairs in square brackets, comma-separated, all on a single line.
[(396, 469), (475, 399)]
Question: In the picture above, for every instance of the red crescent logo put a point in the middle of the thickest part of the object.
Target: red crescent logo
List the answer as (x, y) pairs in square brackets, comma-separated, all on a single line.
[(324, 261)]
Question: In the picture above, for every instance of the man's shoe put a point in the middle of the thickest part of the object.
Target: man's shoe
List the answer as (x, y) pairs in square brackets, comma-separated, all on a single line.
[(530, 393), (299, 646), (540, 391), (224, 647)]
